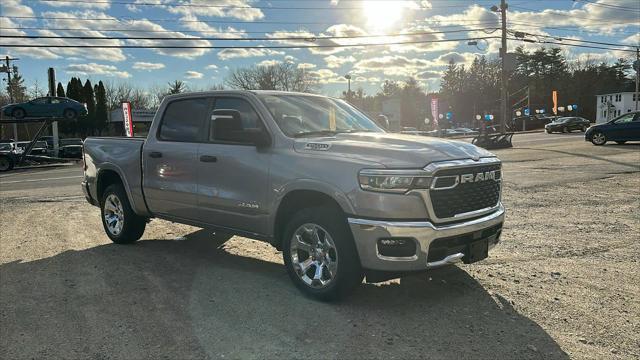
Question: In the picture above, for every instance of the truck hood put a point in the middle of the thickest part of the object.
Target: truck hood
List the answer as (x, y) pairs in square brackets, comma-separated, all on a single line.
[(390, 150)]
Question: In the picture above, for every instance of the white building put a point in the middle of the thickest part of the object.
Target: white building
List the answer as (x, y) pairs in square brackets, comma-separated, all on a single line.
[(612, 105)]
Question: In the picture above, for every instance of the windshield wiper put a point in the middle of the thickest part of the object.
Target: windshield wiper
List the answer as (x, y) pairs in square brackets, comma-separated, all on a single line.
[(317, 132)]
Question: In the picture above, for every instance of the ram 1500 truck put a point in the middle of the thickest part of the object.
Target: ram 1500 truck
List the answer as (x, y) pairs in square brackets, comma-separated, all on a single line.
[(312, 175)]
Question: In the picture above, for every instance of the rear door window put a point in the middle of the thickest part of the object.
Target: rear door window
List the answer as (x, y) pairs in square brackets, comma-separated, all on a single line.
[(184, 120)]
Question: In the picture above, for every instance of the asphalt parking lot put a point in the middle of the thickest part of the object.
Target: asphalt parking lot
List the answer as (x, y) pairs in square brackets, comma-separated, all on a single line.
[(562, 284)]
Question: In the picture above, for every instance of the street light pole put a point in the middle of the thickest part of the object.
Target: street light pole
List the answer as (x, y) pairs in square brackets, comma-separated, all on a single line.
[(503, 58), (348, 77)]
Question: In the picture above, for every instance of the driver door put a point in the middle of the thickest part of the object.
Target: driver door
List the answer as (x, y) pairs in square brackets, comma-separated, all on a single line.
[(233, 176), (622, 127)]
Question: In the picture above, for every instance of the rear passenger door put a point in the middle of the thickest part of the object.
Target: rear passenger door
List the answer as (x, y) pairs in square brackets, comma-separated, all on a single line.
[(233, 177), (170, 158)]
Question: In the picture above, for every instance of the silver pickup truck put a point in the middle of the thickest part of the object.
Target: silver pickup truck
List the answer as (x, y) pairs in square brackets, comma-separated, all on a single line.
[(311, 175)]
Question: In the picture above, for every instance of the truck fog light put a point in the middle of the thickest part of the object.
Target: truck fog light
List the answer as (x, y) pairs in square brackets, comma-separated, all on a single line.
[(397, 247)]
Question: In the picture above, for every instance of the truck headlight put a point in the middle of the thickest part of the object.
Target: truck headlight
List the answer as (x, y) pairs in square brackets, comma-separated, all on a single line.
[(393, 181)]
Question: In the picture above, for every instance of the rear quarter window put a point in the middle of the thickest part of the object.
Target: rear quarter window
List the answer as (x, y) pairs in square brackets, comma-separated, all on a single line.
[(184, 120)]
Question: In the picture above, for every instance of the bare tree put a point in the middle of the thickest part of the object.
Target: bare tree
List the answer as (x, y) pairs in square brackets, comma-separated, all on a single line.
[(118, 93), (281, 76)]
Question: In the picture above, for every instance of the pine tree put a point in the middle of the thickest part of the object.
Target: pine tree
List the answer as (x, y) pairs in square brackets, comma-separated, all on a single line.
[(16, 87), (88, 97), (101, 107), (60, 90)]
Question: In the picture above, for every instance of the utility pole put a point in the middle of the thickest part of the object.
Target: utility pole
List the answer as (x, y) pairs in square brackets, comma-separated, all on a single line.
[(524, 122), (503, 58), (9, 90)]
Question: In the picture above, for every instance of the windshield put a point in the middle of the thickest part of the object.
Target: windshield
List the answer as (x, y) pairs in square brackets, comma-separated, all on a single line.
[(5, 147), (299, 115), (561, 120)]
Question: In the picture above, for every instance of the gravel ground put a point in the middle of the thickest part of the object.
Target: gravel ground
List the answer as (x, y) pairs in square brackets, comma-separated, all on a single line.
[(562, 284)]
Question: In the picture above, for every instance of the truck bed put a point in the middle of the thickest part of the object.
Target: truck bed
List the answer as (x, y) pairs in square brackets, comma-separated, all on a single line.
[(121, 155)]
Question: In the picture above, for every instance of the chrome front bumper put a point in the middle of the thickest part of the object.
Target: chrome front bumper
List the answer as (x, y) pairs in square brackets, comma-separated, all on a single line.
[(366, 234)]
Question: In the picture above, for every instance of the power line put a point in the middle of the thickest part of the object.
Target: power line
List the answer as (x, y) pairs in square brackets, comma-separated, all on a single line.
[(241, 47), (480, 23), (332, 8), (572, 40), (195, 21), (574, 45), (306, 38)]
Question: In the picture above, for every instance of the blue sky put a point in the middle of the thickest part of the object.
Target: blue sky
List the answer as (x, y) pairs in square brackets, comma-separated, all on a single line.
[(614, 21)]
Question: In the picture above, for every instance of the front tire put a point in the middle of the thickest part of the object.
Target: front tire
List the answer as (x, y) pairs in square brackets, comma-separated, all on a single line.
[(584, 128), (69, 114), (6, 163), (122, 225), (320, 255), (598, 138), (565, 130)]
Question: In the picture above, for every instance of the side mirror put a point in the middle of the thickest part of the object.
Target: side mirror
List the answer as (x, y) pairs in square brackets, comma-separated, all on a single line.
[(227, 127)]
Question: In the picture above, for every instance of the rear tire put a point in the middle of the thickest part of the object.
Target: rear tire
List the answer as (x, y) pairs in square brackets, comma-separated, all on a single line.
[(549, 131), (6, 163), (324, 247), (584, 128), (565, 130), (122, 225), (598, 138), (18, 113)]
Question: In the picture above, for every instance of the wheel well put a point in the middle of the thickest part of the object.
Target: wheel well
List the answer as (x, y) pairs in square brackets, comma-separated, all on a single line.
[(296, 201), (106, 178)]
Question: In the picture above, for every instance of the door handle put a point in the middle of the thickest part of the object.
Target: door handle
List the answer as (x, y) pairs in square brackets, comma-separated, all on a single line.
[(208, 158), (155, 154)]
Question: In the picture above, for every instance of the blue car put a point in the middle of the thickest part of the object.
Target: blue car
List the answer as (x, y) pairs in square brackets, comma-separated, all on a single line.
[(48, 106), (621, 129)]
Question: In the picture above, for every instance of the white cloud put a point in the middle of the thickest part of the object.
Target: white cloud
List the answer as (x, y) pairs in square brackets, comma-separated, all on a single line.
[(96, 69), (270, 62), (147, 66), (632, 40), (306, 66), (211, 67), (102, 4), (15, 8), (193, 75), (393, 65), (238, 9), (227, 54), (326, 76), (337, 61)]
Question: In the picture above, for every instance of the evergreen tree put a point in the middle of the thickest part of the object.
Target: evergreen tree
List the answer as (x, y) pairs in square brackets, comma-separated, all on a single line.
[(88, 97), (101, 107), (60, 90), (176, 87), (16, 87)]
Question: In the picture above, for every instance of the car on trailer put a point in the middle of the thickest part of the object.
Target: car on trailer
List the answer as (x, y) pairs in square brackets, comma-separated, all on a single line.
[(48, 106)]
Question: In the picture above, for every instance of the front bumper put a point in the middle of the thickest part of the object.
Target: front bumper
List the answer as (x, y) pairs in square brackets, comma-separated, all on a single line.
[(366, 234)]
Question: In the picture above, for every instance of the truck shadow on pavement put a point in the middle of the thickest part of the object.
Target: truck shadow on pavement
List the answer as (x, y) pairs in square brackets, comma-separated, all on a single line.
[(193, 299)]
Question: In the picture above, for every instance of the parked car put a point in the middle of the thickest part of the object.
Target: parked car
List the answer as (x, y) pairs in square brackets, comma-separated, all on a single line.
[(48, 140), (46, 107), (467, 131), (70, 148), (311, 175), (567, 124), (39, 148), (621, 129), (8, 156)]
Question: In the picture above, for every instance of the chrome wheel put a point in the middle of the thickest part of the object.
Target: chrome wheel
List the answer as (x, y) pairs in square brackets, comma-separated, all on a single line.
[(314, 256), (113, 214), (598, 138)]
